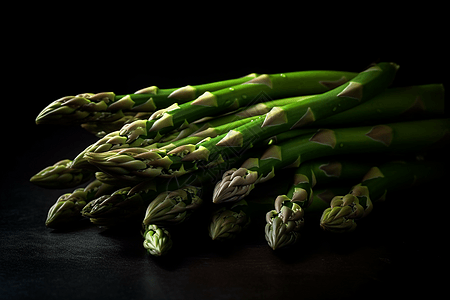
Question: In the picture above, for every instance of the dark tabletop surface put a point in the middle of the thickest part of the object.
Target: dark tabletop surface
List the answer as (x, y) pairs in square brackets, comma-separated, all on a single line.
[(401, 249)]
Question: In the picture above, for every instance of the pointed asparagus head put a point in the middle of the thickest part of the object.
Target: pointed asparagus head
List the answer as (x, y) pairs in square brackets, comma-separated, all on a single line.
[(120, 203), (234, 185), (108, 142), (67, 209), (133, 130), (170, 208), (61, 176), (343, 212), (279, 234), (228, 222), (284, 223), (71, 109), (135, 164), (157, 240)]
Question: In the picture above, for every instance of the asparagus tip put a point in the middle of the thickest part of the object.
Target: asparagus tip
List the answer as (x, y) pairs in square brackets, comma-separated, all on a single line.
[(234, 185)]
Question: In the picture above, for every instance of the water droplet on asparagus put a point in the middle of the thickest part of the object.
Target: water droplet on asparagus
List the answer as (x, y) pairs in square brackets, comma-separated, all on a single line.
[(283, 75)]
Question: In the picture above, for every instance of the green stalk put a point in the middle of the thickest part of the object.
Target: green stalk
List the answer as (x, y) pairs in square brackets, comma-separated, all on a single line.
[(189, 157), (144, 132), (393, 105), (90, 107), (390, 138), (379, 181), (222, 125)]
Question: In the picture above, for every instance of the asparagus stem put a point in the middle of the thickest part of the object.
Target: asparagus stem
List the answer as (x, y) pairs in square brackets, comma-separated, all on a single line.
[(144, 132), (394, 137), (90, 107), (189, 157)]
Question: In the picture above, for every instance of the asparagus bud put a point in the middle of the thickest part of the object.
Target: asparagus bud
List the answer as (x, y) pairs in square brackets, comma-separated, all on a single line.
[(284, 223), (110, 205), (342, 213), (280, 234), (66, 209), (227, 223), (157, 240), (170, 208), (74, 108), (61, 176), (235, 185)]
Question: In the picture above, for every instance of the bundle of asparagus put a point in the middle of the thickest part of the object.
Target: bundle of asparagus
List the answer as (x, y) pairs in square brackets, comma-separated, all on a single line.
[(206, 147)]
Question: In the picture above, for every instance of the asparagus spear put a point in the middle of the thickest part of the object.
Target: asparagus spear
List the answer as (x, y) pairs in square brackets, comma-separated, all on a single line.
[(222, 125), (67, 208), (173, 207), (230, 220), (285, 221), (90, 107), (143, 132), (394, 137), (189, 157), (215, 127), (392, 105), (344, 211), (61, 176), (100, 128), (155, 199), (396, 104), (116, 208), (157, 240)]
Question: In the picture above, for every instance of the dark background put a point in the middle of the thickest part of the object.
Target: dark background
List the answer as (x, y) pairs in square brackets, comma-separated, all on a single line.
[(400, 250)]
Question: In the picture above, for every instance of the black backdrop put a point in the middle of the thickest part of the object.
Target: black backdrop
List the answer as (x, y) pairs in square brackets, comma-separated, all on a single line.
[(399, 250)]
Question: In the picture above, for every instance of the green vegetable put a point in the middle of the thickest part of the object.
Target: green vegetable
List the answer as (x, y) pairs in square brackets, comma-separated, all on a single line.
[(280, 234), (189, 157), (102, 127), (155, 198), (287, 217), (173, 207), (157, 240), (90, 107), (394, 137), (379, 181), (61, 176), (144, 132), (67, 208), (228, 222)]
